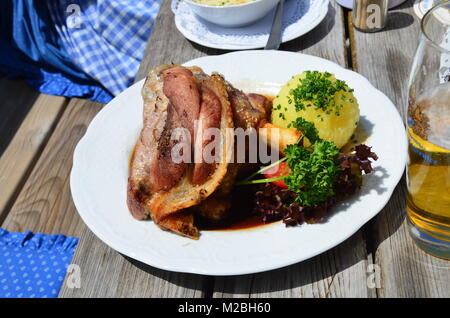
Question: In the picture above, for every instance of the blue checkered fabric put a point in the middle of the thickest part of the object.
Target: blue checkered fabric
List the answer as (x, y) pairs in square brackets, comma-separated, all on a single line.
[(105, 38)]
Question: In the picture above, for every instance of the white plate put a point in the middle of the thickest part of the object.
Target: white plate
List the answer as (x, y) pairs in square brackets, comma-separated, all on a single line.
[(299, 17), (100, 170)]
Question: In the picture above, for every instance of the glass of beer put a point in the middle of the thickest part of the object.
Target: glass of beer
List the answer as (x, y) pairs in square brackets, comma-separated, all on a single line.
[(428, 128)]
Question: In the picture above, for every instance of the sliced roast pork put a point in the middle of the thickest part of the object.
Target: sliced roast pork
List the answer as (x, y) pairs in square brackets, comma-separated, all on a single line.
[(159, 187)]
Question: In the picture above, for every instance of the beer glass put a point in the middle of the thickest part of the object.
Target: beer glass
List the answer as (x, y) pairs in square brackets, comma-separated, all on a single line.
[(428, 128)]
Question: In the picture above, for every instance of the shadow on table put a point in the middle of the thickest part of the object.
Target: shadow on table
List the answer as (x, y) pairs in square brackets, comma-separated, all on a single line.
[(398, 20), (17, 100), (189, 281), (207, 50), (311, 38)]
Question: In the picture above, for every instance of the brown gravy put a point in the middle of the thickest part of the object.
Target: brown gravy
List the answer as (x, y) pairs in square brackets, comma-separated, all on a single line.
[(240, 216), (245, 224)]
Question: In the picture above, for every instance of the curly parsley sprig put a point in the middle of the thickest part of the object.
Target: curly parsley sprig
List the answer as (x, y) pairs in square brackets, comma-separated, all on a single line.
[(313, 173), (313, 170)]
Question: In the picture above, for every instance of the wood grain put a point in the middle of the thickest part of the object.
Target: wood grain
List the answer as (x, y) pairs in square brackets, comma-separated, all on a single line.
[(385, 59), (106, 273), (340, 272), (26, 146), (44, 204)]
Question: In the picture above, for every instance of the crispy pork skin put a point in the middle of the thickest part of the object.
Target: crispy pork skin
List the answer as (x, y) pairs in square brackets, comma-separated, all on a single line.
[(181, 222)]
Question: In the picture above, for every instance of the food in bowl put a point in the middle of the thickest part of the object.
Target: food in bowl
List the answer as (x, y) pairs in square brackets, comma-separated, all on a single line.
[(229, 13)]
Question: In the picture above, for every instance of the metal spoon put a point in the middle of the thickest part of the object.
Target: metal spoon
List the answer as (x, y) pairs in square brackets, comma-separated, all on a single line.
[(274, 41)]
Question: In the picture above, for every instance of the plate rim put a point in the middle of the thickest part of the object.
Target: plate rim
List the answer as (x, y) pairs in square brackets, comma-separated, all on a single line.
[(191, 37), (74, 179)]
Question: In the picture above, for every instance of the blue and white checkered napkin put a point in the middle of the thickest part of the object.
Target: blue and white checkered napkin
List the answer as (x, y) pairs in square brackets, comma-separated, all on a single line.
[(105, 38), (33, 265)]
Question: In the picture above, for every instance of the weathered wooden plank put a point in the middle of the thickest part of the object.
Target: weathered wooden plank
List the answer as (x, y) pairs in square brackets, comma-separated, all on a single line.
[(44, 203), (27, 144), (342, 271), (109, 274), (385, 59)]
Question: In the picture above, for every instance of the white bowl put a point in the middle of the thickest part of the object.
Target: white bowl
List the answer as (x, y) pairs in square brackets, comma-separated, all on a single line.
[(233, 16)]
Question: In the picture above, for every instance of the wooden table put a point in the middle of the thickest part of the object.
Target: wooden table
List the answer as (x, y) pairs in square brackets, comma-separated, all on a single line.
[(380, 260)]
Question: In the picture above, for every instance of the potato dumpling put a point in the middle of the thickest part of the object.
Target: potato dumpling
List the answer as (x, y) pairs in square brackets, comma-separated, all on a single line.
[(320, 98)]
